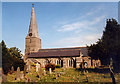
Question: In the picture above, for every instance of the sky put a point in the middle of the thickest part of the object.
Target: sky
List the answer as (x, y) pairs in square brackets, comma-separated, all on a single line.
[(60, 24)]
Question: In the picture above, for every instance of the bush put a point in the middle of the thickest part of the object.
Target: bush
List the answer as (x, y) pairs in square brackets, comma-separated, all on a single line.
[(52, 66), (58, 66)]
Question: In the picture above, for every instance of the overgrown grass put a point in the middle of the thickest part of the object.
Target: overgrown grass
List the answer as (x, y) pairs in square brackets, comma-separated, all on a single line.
[(69, 75)]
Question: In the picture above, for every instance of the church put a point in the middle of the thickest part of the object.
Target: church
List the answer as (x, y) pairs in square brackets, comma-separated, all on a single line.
[(66, 57)]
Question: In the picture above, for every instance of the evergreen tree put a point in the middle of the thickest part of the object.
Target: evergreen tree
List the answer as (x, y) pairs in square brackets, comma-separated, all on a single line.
[(11, 57), (16, 55), (108, 46), (6, 59)]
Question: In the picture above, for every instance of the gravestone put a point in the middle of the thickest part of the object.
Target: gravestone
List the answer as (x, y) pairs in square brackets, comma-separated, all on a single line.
[(22, 76), (44, 72), (2, 71), (28, 66), (63, 69), (4, 78), (26, 79), (25, 69), (50, 70), (86, 78), (37, 66), (56, 76), (29, 80), (12, 69), (18, 74), (40, 72), (87, 71), (84, 71)]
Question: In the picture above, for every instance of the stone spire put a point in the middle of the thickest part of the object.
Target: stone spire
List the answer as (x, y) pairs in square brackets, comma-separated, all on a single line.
[(32, 40), (33, 29)]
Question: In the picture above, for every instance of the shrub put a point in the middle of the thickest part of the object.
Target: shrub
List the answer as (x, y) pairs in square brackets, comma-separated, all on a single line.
[(32, 64), (58, 66), (50, 65)]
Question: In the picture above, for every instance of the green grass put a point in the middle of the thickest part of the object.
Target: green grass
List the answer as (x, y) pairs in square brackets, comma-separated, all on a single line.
[(70, 75)]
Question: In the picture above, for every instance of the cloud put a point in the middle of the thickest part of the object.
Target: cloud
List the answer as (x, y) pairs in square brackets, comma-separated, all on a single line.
[(80, 40), (71, 27), (84, 30), (86, 24), (94, 11)]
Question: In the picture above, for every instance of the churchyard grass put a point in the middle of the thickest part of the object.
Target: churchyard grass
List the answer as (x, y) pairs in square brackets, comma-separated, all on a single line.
[(68, 75)]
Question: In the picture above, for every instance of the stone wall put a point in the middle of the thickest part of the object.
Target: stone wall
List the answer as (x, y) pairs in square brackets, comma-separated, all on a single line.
[(33, 44), (87, 61), (96, 63), (66, 62)]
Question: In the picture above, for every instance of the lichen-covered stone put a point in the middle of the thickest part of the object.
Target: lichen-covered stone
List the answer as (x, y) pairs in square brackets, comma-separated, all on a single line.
[(18, 74)]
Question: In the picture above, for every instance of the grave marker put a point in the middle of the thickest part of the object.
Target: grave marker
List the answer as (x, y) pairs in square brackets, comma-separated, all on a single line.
[(40, 72), (28, 66), (18, 74), (50, 70), (4, 78), (44, 72), (12, 69), (37, 66), (22, 76), (56, 76), (25, 69)]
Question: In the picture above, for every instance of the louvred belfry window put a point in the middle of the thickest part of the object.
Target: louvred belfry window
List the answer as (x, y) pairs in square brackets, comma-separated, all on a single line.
[(30, 40)]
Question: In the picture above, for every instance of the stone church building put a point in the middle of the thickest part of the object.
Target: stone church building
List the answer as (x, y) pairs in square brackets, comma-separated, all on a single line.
[(66, 57)]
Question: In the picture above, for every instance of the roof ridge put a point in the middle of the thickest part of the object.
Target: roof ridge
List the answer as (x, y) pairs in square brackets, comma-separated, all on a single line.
[(62, 48)]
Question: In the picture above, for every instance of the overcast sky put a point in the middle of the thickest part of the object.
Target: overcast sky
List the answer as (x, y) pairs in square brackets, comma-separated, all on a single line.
[(59, 24)]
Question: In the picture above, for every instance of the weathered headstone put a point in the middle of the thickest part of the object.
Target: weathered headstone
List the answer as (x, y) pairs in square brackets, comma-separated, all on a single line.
[(40, 72), (37, 66), (87, 71), (29, 79), (111, 71), (28, 66), (12, 69), (22, 76), (2, 71), (25, 69), (4, 78), (63, 69), (50, 70), (26, 79), (84, 71), (44, 72), (18, 74), (86, 78), (56, 76)]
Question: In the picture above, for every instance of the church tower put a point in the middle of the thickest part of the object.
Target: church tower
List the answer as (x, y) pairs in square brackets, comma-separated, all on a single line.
[(32, 40)]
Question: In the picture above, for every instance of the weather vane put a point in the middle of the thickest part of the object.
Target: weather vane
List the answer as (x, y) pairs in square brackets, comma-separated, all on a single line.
[(32, 4)]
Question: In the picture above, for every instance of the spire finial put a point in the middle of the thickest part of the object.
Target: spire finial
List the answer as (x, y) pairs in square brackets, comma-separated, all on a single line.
[(32, 4)]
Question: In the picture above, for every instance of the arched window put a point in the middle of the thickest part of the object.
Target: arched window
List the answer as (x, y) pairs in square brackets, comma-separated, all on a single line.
[(69, 63), (30, 40), (57, 62)]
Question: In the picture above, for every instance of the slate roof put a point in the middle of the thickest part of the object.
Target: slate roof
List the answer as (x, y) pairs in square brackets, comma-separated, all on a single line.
[(84, 51), (59, 52)]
